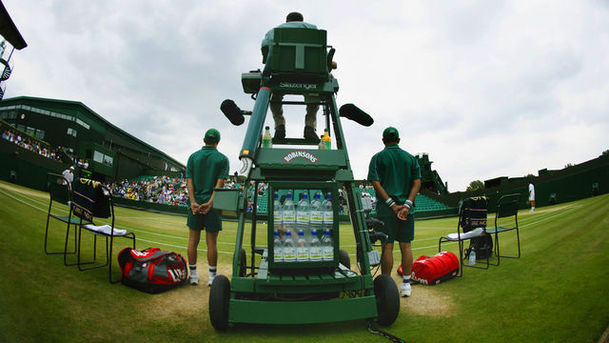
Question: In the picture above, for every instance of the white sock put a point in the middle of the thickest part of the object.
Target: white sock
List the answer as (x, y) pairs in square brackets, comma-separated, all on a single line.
[(212, 270), (193, 268), (406, 279)]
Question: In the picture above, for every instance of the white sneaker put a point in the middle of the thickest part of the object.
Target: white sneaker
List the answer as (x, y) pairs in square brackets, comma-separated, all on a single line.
[(211, 279), (194, 278), (406, 290)]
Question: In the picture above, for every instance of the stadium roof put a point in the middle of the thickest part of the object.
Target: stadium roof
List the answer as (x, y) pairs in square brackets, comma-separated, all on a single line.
[(78, 104), (9, 31)]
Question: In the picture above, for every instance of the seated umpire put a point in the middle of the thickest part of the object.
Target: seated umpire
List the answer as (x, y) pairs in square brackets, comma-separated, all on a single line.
[(293, 20)]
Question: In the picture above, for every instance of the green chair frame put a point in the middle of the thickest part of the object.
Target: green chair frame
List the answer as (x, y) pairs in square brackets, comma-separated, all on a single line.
[(109, 239), (60, 192), (472, 216), (507, 206)]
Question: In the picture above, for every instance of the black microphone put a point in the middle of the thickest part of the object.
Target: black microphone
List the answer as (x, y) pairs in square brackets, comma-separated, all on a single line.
[(232, 112), (352, 112)]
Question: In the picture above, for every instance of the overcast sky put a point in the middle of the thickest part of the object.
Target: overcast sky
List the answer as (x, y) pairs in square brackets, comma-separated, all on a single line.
[(486, 88)]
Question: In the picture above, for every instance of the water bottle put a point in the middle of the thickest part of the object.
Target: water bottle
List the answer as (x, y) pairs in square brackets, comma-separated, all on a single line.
[(472, 257), (328, 213), (326, 141), (302, 248), (289, 248), (315, 253), (303, 215), (366, 202), (317, 214), (327, 246), (277, 247), (289, 214), (267, 140), (277, 213)]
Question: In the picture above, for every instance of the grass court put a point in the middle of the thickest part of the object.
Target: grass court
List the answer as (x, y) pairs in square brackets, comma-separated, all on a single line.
[(557, 291)]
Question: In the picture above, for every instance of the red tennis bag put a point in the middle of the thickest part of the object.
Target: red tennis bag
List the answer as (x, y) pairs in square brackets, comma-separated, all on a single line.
[(433, 270), (152, 270)]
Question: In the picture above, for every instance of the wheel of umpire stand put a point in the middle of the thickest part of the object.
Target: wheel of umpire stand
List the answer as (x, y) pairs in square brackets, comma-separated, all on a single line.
[(387, 300), (219, 295)]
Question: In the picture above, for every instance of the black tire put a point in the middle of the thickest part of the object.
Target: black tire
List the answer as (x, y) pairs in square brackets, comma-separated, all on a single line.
[(343, 258), (387, 300), (219, 295), (242, 263)]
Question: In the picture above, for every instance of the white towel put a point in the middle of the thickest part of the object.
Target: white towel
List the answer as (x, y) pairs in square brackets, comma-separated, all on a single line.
[(105, 229), (468, 235)]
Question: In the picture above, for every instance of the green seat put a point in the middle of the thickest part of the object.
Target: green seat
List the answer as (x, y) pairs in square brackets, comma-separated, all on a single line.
[(60, 193), (471, 225), (299, 53), (93, 200), (506, 219)]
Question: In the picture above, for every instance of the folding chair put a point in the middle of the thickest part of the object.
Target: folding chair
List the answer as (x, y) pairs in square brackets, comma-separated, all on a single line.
[(507, 207), (92, 200), (472, 224), (60, 192)]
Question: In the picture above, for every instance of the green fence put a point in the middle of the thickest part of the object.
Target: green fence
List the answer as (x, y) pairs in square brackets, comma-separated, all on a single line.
[(573, 183), (25, 167), (150, 206)]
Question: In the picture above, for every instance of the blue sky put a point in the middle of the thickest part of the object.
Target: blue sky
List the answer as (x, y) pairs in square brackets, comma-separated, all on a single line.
[(487, 88)]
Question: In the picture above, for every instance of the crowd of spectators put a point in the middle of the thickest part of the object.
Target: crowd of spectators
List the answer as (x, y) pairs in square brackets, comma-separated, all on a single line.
[(159, 189), (154, 189), (81, 163), (30, 144), (172, 191)]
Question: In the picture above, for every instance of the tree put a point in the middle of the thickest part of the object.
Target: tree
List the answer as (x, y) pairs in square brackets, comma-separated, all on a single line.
[(475, 185)]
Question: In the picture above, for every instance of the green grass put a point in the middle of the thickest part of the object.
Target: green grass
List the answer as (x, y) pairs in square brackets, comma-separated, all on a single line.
[(556, 292)]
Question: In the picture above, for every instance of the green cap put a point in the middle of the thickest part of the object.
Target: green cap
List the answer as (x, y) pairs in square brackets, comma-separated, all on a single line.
[(391, 134), (212, 136)]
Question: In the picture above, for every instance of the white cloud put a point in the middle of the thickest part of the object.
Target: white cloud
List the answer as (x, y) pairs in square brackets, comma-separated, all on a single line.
[(486, 88)]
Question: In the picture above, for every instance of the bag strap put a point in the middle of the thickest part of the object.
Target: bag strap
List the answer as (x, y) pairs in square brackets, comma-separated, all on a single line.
[(154, 256)]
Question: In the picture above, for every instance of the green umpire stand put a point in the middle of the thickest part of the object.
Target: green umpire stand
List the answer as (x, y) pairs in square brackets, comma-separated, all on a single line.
[(297, 291)]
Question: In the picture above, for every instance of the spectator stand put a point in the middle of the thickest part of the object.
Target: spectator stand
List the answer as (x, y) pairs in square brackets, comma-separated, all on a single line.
[(27, 141)]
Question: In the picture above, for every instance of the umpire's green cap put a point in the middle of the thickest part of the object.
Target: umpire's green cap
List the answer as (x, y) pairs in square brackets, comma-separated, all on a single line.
[(391, 134), (212, 136)]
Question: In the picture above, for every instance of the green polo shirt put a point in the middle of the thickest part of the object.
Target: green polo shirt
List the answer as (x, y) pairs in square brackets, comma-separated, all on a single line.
[(270, 35), (205, 167), (395, 169)]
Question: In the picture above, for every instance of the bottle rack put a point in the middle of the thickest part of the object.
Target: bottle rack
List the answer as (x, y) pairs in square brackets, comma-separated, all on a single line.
[(297, 188)]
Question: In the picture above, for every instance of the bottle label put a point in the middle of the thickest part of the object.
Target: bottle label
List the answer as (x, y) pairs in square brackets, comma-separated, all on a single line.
[(302, 254), (315, 254), (302, 217), (277, 217), (289, 255), (328, 253), (288, 216), (328, 217), (317, 217), (278, 254)]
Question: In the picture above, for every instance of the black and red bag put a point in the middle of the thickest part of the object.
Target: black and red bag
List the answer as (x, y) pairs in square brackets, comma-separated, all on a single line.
[(433, 270), (152, 270)]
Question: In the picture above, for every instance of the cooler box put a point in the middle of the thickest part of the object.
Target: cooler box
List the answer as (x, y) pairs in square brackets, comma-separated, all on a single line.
[(433, 270)]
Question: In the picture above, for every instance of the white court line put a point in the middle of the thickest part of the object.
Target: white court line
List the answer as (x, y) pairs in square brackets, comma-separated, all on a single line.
[(395, 252), (139, 239), (21, 201)]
